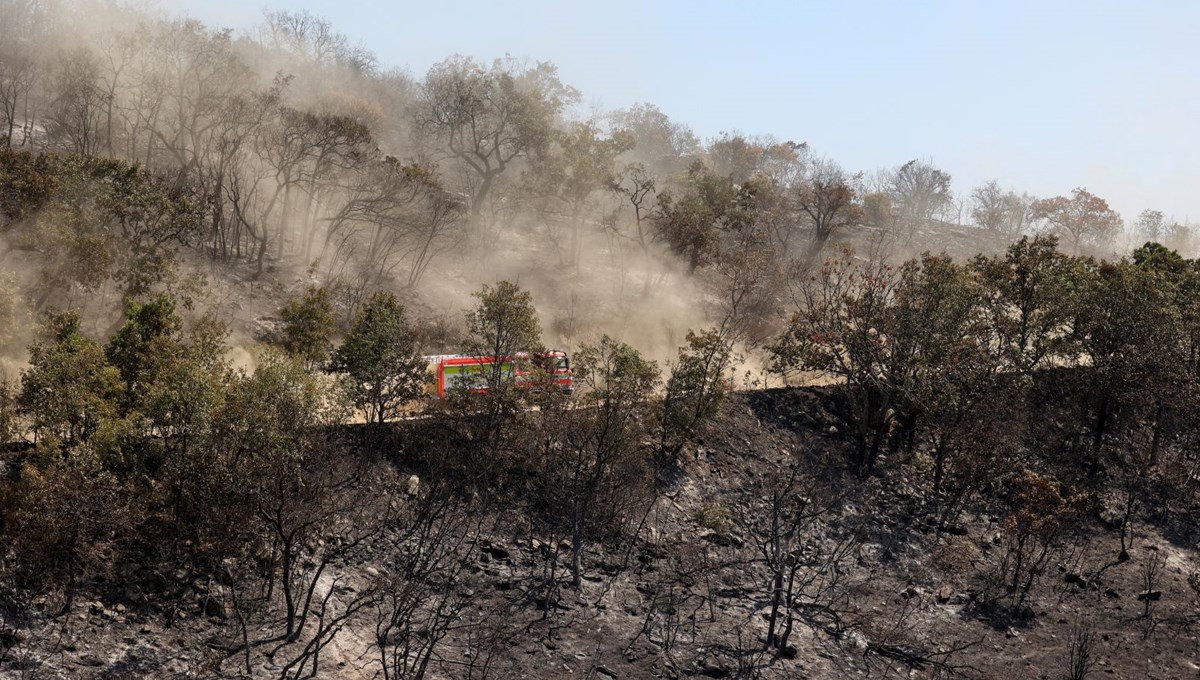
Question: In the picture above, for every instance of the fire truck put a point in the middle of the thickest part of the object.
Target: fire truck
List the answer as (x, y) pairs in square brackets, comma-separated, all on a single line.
[(465, 371)]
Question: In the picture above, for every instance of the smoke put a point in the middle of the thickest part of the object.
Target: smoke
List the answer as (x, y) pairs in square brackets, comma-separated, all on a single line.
[(313, 164)]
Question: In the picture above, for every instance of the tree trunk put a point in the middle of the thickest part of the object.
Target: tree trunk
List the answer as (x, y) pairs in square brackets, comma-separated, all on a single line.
[(1156, 438), (776, 596), (1098, 435)]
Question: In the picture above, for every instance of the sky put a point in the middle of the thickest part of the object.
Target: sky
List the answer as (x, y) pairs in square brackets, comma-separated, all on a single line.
[(1044, 96)]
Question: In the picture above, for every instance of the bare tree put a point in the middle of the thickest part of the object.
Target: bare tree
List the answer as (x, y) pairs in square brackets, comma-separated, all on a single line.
[(660, 143), (1006, 214), (1081, 660), (597, 472), (919, 191), (77, 110), (636, 187), (488, 117), (313, 38), (566, 176), (18, 73), (1150, 225), (1152, 564)]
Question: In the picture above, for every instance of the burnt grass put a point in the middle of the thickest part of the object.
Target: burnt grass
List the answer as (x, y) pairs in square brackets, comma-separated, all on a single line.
[(689, 595)]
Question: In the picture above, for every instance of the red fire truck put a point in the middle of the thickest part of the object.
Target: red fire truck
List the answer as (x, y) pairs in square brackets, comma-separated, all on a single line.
[(464, 371)]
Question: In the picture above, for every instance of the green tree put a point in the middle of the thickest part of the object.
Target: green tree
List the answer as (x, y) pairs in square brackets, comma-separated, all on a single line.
[(9, 419), (285, 471), (492, 425), (182, 406), (503, 324), (1130, 336), (150, 342), (599, 470), (945, 371), (695, 390), (843, 329), (827, 198), (380, 358), (690, 220), (309, 323), (151, 215), (1030, 301), (69, 387), (90, 220)]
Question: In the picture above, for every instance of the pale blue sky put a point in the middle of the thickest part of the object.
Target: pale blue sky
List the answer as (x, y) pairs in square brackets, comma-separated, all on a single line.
[(1044, 96)]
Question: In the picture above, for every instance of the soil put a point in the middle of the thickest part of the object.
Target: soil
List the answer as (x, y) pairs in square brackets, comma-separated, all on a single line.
[(690, 596)]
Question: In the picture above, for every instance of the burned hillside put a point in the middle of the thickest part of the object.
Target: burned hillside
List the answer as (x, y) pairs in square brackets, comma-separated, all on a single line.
[(311, 366)]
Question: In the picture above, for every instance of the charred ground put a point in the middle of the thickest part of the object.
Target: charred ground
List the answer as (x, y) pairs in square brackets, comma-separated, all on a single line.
[(885, 592)]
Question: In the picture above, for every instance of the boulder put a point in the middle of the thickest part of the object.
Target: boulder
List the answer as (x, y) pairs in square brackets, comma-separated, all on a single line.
[(216, 607), (944, 594)]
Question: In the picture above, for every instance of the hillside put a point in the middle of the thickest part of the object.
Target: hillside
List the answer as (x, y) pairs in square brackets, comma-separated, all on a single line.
[(884, 593), (227, 257)]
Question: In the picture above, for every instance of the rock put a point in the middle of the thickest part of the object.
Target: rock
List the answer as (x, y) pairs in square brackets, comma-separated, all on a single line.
[(216, 607), (11, 636), (833, 430), (547, 603), (606, 671), (1075, 579), (652, 551), (944, 594), (414, 485), (723, 540), (710, 670)]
